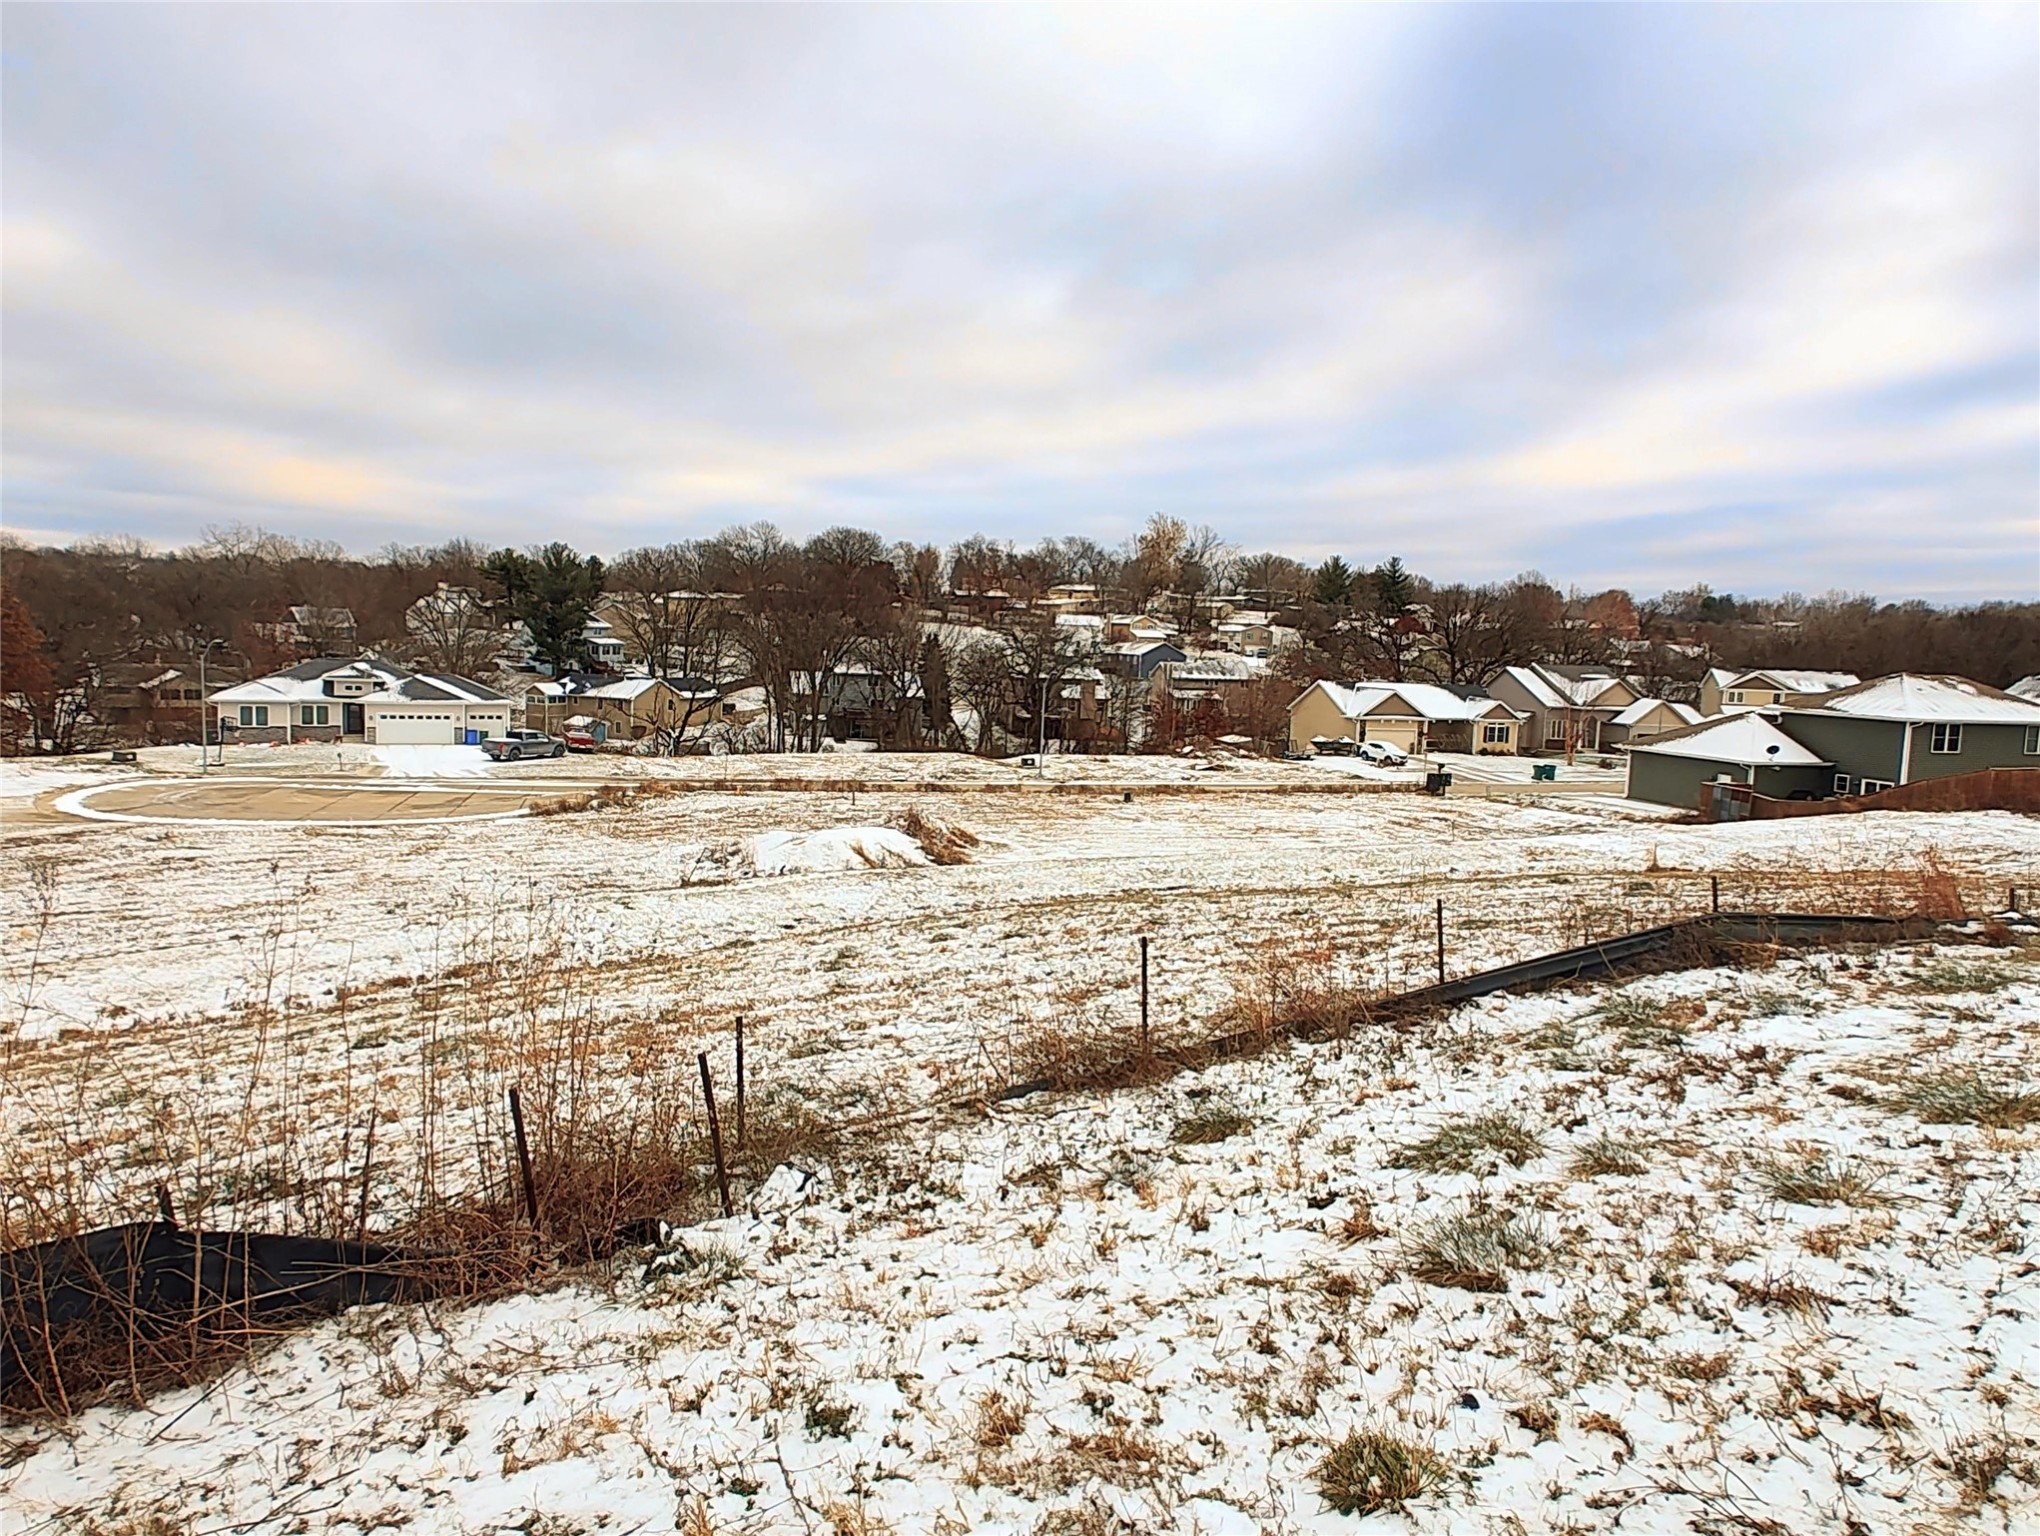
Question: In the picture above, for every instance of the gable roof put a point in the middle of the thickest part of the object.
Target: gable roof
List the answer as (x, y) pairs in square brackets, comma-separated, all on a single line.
[(2026, 687), (1419, 701), (1747, 740), (1565, 687), (1642, 709), (1916, 697), (1793, 681), (306, 682)]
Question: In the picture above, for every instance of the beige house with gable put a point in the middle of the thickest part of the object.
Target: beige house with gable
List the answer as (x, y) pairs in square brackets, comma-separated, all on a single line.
[(1412, 717)]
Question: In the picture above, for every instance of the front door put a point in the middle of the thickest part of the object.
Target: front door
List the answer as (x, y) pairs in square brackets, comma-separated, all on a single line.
[(350, 720)]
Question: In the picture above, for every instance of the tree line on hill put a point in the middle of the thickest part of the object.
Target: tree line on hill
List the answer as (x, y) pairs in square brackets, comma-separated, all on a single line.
[(788, 614)]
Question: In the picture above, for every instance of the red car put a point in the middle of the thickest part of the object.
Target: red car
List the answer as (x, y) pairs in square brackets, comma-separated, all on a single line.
[(579, 741)]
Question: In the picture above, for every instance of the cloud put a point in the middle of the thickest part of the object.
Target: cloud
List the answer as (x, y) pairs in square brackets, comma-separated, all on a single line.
[(1485, 287)]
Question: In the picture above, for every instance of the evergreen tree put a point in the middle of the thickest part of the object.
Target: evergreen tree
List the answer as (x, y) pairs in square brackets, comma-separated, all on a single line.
[(553, 590), (1332, 583)]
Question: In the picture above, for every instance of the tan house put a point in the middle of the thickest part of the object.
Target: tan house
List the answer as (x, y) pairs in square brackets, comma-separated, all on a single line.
[(1566, 709), (1647, 718), (1724, 690), (631, 707), (1412, 717)]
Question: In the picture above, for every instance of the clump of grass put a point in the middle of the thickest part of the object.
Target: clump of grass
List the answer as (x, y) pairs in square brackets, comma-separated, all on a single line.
[(1608, 1155), (1372, 1470), (997, 1420), (826, 1417), (1626, 1011), (1211, 1121), (1472, 1144), (1946, 977), (705, 1265), (1474, 1250), (1968, 1098), (1811, 1176), (944, 842), (1698, 1367)]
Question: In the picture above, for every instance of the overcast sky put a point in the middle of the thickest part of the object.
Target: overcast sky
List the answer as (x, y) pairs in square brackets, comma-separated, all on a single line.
[(1640, 295)]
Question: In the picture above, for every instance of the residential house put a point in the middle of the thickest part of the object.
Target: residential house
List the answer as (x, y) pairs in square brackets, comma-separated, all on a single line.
[(147, 701), (602, 645), (312, 630), (1248, 632), (1911, 726), (1647, 718), (1412, 717), (1565, 708), (336, 698), (631, 708), (457, 627), (1852, 741), (1070, 711), (1219, 676), (1123, 627), (862, 702), (1723, 688), (1138, 659)]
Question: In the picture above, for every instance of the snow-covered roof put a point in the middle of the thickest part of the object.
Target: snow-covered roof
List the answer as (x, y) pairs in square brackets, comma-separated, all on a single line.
[(1795, 681), (1921, 696), (1138, 647), (2026, 687), (1556, 687), (1642, 709), (1746, 740), (1426, 701), (306, 683)]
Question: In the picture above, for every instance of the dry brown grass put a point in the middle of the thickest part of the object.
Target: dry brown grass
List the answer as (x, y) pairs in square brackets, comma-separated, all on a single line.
[(945, 842)]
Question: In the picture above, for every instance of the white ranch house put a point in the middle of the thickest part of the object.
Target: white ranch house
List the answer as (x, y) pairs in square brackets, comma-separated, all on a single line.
[(362, 699)]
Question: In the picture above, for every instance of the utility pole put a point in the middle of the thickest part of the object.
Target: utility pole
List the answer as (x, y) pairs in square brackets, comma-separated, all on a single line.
[(1041, 727)]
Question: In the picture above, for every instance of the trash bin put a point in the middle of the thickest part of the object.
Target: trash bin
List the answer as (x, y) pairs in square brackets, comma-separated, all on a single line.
[(1544, 773), (1437, 783)]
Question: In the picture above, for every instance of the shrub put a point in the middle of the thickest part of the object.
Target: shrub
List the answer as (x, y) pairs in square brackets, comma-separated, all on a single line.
[(1474, 1144), (1474, 1250), (1371, 1470)]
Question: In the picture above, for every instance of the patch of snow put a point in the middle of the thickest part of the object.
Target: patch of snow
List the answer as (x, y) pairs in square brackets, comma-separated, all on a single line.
[(834, 849), (433, 762)]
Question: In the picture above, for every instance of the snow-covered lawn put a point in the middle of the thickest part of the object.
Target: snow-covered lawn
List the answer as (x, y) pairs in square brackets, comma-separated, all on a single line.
[(1754, 1287), (1021, 1320)]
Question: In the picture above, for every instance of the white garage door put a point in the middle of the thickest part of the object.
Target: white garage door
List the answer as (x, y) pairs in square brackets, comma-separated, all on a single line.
[(416, 727)]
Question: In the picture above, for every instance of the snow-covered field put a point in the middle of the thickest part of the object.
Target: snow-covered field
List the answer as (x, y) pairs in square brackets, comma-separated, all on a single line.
[(1160, 1309), (1175, 1329)]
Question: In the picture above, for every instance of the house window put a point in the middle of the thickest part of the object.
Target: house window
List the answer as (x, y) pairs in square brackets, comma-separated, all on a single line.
[(2032, 740), (1494, 731), (1947, 738), (1841, 783), (1872, 786), (1554, 731), (1735, 696), (254, 714), (314, 714)]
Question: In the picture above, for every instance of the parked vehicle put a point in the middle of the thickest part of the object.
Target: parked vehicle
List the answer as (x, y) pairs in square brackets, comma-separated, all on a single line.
[(579, 741), (1382, 755), (515, 744)]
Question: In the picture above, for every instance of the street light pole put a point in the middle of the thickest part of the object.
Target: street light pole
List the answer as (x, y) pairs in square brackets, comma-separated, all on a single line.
[(205, 704), (1041, 727)]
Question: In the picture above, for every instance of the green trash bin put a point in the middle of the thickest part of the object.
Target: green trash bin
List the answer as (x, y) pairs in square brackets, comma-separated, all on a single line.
[(1544, 773)]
